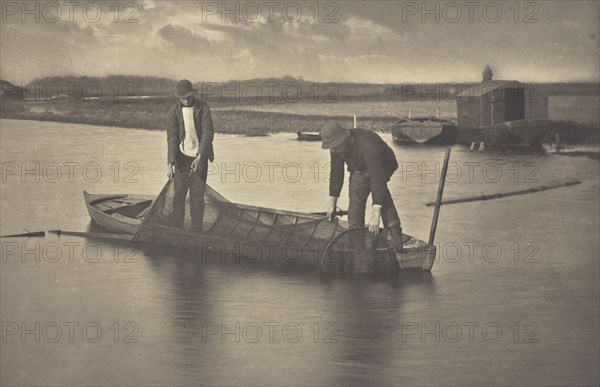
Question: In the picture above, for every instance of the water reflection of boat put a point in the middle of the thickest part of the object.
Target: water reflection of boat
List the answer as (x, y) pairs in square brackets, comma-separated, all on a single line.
[(424, 130), (230, 225), (308, 136)]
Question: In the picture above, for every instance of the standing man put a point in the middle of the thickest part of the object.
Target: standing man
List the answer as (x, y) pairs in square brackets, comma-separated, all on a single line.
[(189, 142), (371, 163)]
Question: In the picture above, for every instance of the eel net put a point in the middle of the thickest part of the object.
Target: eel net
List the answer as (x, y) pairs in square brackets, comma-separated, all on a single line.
[(236, 232)]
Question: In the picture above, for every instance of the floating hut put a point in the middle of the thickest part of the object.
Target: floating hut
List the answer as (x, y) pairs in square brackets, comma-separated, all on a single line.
[(502, 112)]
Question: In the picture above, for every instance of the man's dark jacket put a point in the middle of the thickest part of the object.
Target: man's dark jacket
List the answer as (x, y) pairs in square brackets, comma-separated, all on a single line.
[(369, 153), (204, 130)]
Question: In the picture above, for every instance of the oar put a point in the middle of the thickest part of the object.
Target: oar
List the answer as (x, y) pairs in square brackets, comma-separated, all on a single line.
[(99, 235), (27, 234)]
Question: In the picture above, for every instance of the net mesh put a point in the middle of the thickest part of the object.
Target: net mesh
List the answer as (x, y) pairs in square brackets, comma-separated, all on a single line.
[(234, 232)]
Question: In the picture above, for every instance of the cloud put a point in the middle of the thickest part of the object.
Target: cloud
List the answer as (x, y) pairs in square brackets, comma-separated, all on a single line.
[(182, 37), (366, 44)]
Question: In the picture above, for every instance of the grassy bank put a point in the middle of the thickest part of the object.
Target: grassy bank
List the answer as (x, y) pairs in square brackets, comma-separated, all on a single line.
[(152, 114)]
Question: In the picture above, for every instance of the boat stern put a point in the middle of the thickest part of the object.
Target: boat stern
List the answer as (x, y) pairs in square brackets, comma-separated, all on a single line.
[(417, 258)]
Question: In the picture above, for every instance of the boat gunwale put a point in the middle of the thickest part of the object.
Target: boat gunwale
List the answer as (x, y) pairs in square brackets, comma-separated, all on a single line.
[(92, 199)]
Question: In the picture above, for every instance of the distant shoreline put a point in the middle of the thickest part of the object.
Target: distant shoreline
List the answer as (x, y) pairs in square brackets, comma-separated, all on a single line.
[(151, 114)]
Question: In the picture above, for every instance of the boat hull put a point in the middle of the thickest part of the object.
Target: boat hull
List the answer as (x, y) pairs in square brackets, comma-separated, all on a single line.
[(519, 133), (124, 213), (429, 132)]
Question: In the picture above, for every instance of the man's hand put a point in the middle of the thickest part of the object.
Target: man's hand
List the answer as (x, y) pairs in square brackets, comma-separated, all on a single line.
[(373, 223), (170, 171), (331, 208), (195, 164)]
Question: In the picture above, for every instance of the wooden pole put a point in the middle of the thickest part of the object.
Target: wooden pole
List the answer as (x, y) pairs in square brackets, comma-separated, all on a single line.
[(438, 202), (499, 195), (27, 234), (355, 121)]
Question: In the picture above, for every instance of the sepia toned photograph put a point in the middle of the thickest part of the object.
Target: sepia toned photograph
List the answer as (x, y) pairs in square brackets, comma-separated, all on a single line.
[(300, 193)]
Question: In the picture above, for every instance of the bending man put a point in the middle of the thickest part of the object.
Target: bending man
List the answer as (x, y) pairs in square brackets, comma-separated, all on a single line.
[(371, 163)]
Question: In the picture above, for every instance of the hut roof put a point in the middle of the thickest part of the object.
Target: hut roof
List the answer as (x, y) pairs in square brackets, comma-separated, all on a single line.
[(488, 86)]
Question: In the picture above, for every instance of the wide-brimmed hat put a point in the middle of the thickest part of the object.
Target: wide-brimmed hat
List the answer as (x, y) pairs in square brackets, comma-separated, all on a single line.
[(184, 89), (333, 135)]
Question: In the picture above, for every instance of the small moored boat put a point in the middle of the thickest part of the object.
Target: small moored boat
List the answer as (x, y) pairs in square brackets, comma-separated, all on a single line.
[(308, 136), (424, 130)]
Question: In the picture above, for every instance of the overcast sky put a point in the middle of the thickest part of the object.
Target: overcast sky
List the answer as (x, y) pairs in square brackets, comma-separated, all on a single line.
[(376, 42)]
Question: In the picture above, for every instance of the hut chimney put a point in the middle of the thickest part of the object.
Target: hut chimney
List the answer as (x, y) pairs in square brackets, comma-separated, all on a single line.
[(487, 74)]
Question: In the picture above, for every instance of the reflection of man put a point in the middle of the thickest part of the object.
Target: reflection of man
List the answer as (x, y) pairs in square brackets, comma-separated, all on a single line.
[(189, 138), (371, 163)]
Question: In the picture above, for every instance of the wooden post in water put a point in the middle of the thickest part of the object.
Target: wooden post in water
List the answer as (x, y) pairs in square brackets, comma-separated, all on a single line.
[(355, 121), (438, 202)]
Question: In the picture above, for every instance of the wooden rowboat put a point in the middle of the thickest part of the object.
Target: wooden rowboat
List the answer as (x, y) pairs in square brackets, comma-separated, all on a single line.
[(125, 213), (118, 213)]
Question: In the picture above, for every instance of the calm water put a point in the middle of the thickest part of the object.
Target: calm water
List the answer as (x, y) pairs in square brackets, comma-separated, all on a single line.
[(512, 299)]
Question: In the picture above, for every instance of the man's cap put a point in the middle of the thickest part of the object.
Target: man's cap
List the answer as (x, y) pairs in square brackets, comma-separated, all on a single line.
[(333, 135), (184, 89)]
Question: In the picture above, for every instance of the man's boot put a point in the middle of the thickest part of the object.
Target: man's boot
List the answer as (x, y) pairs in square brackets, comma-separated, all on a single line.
[(396, 234)]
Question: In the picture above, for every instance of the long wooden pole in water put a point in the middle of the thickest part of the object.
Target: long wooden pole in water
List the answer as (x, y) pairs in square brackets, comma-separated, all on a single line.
[(499, 195), (438, 201)]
